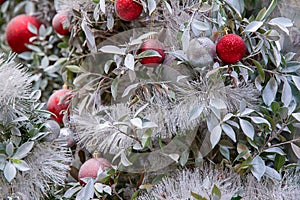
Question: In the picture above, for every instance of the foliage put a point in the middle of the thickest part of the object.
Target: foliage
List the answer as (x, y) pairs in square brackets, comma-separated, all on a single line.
[(244, 116)]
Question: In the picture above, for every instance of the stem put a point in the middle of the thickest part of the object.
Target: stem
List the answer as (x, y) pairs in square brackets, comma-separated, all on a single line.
[(287, 142)]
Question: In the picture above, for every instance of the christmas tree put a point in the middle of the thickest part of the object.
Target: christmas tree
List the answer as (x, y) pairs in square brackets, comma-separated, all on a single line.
[(150, 99)]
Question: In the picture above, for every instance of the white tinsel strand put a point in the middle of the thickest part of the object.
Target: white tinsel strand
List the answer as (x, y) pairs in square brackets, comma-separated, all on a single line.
[(14, 83), (197, 181), (97, 132), (286, 189), (49, 163)]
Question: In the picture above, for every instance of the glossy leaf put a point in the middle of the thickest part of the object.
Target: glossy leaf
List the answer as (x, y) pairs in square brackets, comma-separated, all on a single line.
[(9, 171), (259, 168), (215, 135), (270, 91), (247, 128)]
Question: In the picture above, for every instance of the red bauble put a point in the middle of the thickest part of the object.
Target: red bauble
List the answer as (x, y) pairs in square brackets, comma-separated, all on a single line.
[(58, 102), (59, 23), (17, 33), (128, 10), (152, 44), (90, 168), (231, 48)]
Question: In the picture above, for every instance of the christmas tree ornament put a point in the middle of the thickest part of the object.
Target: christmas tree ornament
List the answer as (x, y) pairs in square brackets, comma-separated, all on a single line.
[(18, 33), (67, 135), (59, 102), (201, 52), (128, 10), (52, 129), (231, 48), (61, 23), (90, 168), (156, 45)]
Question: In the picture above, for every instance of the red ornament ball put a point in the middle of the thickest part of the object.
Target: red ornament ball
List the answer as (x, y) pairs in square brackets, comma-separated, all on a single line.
[(128, 10), (90, 168), (61, 24), (231, 48), (156, 45), (58, 102), (17, 33)]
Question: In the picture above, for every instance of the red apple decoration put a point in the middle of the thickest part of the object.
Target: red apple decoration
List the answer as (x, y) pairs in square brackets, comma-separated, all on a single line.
[(17, 33), (61, 24), (90, 168), (128, 10), (59, 102), (231, 48), (152, 44)]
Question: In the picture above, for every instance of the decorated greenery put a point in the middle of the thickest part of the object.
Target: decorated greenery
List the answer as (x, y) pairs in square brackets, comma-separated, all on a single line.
[(159, 90)]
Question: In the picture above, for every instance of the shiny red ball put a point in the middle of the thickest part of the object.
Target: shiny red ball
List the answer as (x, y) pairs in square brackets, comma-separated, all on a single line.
[(59, 102), (231, 48), (128, 10), (59, 23), (90, 168), (152, 44), (18, 34)]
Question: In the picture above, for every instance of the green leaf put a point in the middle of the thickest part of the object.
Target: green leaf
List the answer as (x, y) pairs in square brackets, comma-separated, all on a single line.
[(261, 14), (102, 5), (275, 150), (272, 173), (174, 156), (253, 26), (197, 196), (32, 29), (296, 80), (113, 50), (225, 152), (286, 96), (259, 69), (137, 122), (296, 150), (23, 150), (135, 195), (151, 6), (281, 21), (196, 112), (129, 88), (147, 54), (114, 87), (296, 116), (216, 192), (259, 168), (74, 68), (291, 67), (279, 161), (9, 171), (22, 166), (168, 7), (124, 160), (269, 10), (9, 149), (215, 135), (228, 130), (129, 61), (247, 128), (184, 158), (70, 192), (260, 120), (269, 93)]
